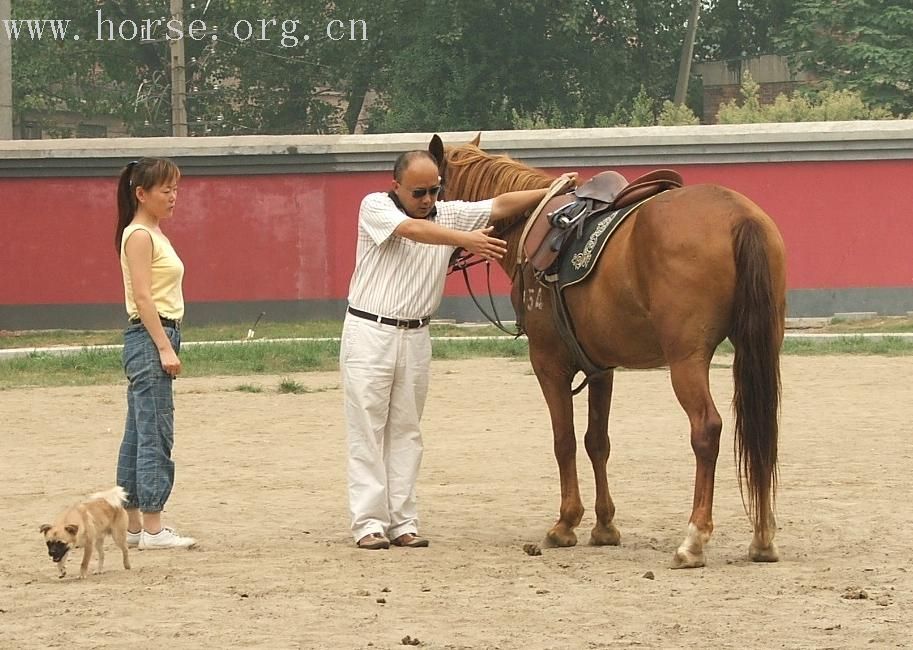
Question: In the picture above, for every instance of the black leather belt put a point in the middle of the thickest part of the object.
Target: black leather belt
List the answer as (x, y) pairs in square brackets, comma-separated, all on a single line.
[(395, 322), (166, 322)]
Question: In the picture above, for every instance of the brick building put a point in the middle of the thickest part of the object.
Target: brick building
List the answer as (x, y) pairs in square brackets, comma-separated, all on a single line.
[(722, 81)]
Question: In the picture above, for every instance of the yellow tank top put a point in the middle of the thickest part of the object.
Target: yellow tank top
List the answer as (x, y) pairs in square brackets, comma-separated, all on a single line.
[(167, 275)]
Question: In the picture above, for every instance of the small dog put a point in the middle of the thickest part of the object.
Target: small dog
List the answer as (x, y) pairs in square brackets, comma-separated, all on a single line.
[(85, 525)]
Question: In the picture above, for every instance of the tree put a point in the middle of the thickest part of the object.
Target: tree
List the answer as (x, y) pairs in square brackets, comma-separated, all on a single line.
[(735, 29), (862, 45), (264, 82), (481, 65), (434, 64), (65, 74)]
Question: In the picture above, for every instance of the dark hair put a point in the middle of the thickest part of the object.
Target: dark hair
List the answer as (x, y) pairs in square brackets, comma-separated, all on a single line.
[(146, 173), (405, 159)]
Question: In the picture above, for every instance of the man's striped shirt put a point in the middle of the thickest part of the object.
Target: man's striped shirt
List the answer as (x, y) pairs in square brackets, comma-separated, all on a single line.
[(397, 277)]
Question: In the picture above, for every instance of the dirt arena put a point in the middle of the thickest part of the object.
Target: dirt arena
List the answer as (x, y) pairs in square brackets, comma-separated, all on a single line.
[(261, 484)]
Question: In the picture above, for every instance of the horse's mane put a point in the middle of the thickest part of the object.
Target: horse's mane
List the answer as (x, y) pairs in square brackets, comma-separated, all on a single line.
[(473, 175)]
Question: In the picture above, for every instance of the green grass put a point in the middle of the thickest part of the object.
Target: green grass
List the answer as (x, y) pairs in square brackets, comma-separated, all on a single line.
[(887, 346), (249, 388), (287, 385), (283, 358), (93, 367)]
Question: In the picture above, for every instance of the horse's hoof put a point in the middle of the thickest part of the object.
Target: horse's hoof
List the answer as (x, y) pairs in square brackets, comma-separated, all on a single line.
[(605, 536), (685, 559), (557, 539), (769, 554)]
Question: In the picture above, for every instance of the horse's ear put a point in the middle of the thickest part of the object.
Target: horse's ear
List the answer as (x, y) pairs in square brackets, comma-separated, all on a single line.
[(475, 141), (436, 149)]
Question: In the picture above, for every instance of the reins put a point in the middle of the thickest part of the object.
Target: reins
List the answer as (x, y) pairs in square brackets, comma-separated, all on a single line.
[(463, 260)]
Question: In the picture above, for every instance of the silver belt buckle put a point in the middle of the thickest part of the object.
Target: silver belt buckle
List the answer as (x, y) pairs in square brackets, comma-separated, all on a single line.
[(402, 324)]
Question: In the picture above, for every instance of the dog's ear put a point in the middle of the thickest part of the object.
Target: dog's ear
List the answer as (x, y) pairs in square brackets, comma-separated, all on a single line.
[(45, 528), (72, 529)]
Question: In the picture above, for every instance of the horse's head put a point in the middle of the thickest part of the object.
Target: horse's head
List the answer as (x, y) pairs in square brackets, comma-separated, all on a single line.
[(448, 161), (470, 174)]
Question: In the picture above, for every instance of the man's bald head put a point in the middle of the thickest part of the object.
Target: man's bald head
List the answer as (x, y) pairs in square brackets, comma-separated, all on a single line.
[(405, 160)]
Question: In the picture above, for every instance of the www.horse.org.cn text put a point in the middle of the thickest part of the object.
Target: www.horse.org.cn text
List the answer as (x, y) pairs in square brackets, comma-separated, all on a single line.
[(288, 32)]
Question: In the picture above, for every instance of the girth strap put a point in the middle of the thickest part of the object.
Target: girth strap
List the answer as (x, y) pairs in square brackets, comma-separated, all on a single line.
[(566, 331)]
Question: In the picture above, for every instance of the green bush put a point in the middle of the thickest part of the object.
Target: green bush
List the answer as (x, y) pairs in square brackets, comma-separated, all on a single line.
[(813, 105)]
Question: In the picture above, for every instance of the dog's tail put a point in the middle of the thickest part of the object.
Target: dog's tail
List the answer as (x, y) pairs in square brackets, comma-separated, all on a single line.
[(116, 496)]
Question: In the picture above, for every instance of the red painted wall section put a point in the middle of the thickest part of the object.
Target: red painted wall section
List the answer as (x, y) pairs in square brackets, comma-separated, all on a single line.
[(252, 237), (292, 237), (57, 241), (845, 224), (344, 195), (241, 238)]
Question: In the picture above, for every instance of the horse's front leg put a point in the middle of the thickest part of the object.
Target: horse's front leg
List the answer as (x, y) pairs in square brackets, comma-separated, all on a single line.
[(598, 447), (556, 387)]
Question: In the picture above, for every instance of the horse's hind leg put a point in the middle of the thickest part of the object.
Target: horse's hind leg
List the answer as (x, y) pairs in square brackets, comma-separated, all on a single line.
[(691, 382), (598, 448), (557, 391)]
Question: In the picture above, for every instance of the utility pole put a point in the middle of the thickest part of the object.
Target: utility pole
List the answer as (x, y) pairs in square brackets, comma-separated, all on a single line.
[(684, 66), (6, 76), (178, 75)]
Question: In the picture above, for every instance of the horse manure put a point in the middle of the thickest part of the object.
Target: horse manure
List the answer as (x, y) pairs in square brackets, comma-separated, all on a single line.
[(408, 640), (532, 549), (649, 575), (854, 593)]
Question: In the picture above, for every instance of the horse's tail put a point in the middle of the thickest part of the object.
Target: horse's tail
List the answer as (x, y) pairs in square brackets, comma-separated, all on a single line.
[(756, 335)]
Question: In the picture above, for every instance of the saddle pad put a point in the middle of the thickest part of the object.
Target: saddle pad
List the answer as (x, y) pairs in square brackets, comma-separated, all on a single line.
[(580, 256)]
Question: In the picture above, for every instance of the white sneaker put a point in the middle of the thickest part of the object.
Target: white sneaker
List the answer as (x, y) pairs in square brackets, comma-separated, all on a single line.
[(165, 538), (134, 538)]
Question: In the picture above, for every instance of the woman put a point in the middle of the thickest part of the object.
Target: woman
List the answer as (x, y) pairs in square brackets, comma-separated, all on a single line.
[(152, 272)]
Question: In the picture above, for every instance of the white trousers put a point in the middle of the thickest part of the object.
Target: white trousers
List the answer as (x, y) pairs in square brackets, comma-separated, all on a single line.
[(385, 382)]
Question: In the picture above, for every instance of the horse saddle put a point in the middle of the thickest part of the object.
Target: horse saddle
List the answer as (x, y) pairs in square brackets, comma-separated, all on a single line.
[(556, 222)]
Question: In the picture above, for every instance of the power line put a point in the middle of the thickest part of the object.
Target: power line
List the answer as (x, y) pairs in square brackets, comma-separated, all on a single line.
[(239, 45)]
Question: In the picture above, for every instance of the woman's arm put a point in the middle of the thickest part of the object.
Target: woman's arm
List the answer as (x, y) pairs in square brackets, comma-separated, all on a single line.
[(138, 250)]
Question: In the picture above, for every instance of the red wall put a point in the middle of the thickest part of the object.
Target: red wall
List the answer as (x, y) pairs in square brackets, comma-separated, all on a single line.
[(292, 237)]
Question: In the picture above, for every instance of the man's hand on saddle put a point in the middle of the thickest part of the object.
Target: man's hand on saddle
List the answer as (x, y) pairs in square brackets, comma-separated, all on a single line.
[(571, 177), (484, 245)]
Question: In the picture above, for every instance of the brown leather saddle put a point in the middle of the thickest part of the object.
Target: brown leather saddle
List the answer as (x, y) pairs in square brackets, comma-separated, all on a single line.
[(555, 223)]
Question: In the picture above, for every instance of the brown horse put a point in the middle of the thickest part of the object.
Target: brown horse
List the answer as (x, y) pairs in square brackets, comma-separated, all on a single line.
[(689, 268)]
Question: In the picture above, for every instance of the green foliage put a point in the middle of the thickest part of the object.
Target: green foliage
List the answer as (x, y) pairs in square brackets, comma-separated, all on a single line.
[(443, 65), (676, 115), (287, 386), (527, 64), (233, 85), (735, 30), (859, 45), (823, 105), (642, 113), (66, 74)]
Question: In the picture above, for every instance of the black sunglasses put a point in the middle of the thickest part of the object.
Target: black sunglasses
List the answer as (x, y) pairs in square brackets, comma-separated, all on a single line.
[(422, 191)]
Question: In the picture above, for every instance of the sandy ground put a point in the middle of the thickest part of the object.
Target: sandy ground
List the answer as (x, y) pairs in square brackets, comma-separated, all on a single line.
[(261, 484)]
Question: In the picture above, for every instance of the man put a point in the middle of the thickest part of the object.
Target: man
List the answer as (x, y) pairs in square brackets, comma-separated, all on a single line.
[(405, 239)]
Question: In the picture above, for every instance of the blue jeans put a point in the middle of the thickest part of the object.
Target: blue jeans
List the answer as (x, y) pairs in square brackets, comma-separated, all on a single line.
[(144, 466)]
